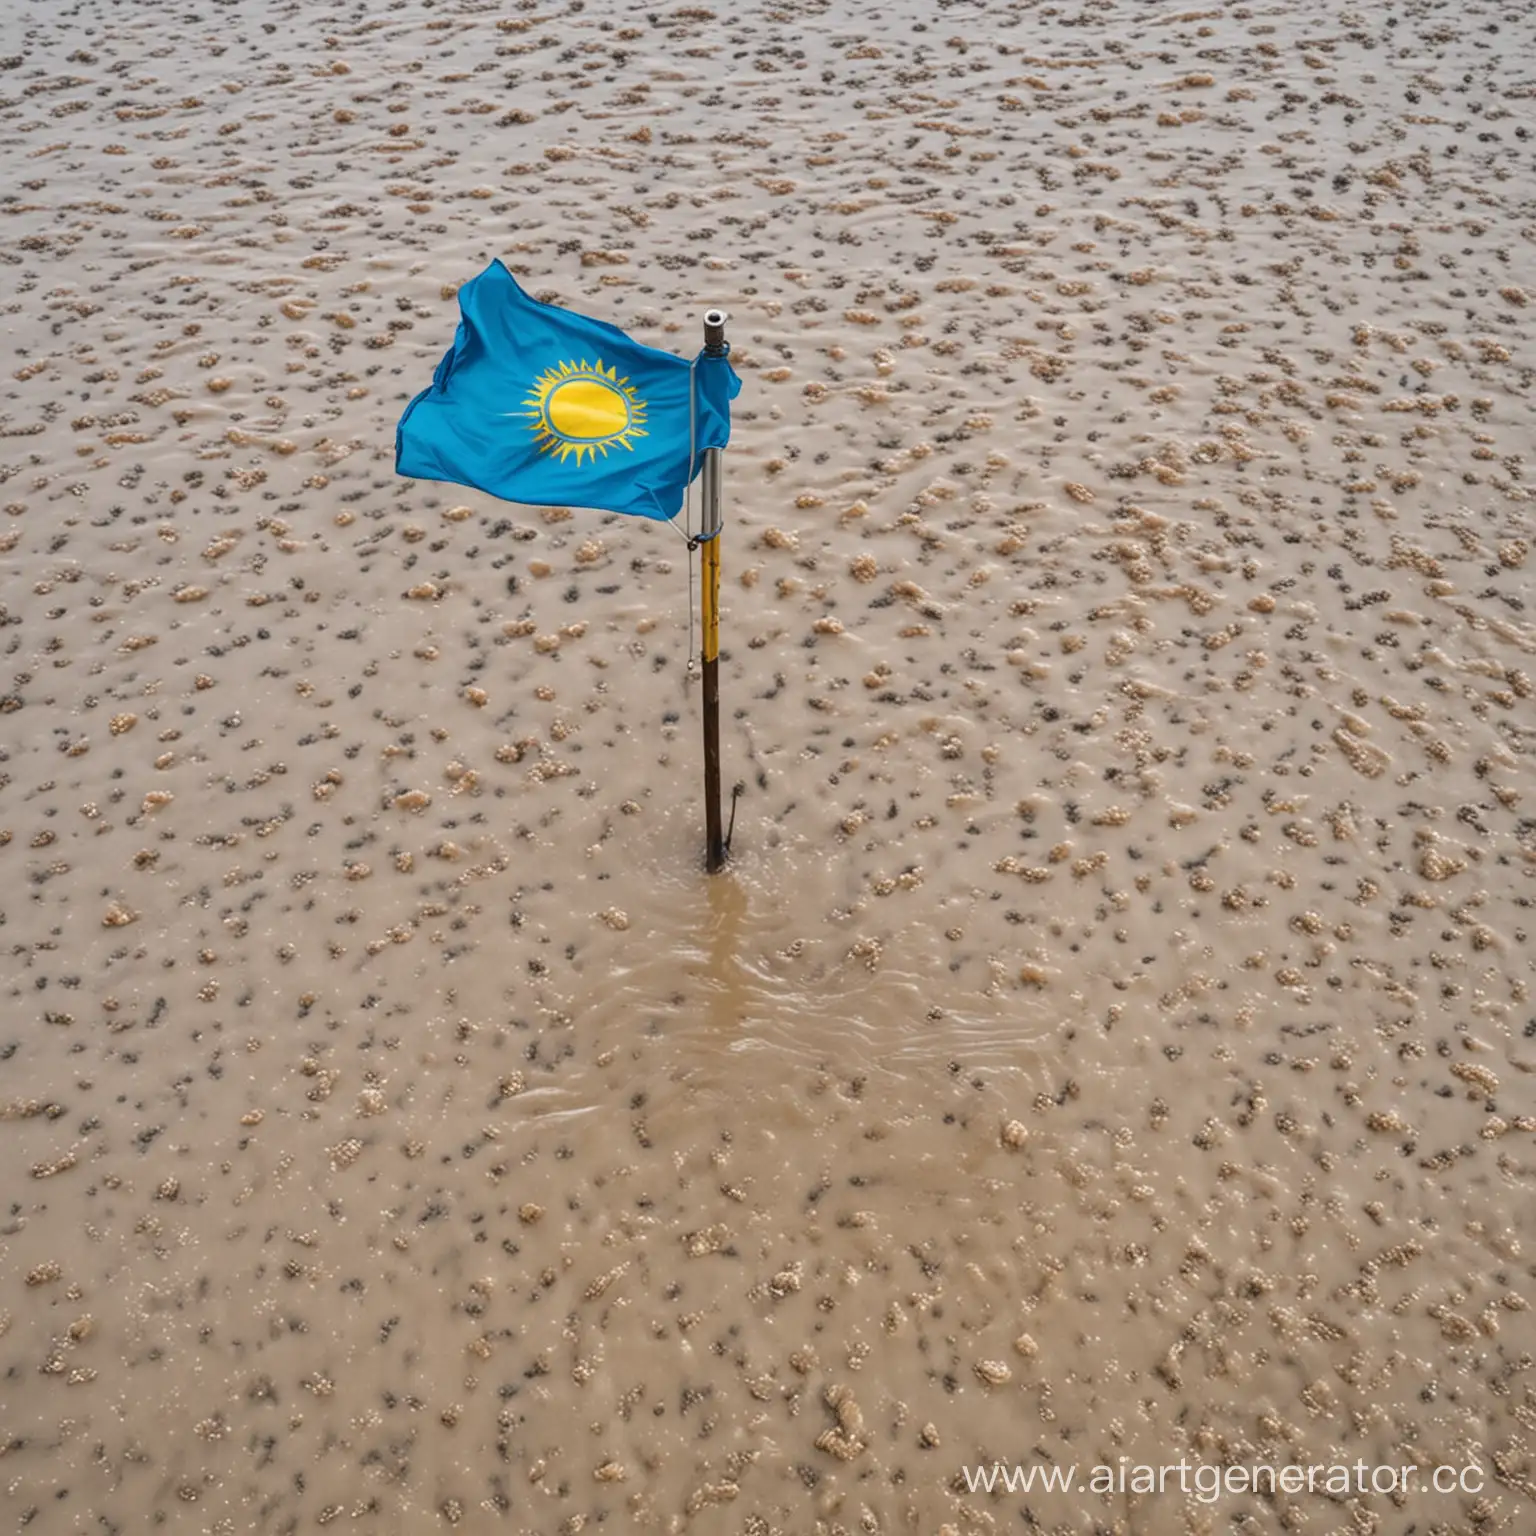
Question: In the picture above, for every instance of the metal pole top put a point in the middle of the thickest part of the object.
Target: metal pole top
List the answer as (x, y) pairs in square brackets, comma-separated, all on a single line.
[(714, 332)]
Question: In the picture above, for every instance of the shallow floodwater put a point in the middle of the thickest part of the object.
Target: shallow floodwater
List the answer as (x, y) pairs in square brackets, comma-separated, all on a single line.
[(1111, 1041)]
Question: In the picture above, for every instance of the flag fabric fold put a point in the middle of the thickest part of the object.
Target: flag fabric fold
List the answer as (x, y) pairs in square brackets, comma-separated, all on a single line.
[(537, 404)]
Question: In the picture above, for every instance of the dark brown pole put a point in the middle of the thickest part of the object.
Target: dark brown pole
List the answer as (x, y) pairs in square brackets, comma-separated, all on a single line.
[(714, 837)]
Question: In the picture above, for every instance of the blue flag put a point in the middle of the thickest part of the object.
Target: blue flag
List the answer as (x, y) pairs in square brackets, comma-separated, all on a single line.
[(539, 405)]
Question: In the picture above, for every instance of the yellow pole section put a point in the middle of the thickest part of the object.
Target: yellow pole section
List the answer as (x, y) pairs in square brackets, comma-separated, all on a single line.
[(712, 599)]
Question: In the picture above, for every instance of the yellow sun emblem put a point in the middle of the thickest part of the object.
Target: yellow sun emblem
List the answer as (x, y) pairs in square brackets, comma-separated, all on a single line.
[(582, 410)]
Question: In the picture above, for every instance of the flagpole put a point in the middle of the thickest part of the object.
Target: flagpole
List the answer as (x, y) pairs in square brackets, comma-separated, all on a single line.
[(714, 839)]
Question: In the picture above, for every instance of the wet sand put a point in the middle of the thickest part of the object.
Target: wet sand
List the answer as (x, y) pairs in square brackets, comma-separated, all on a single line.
[(1113, 1035)]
